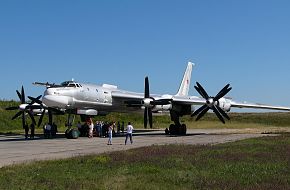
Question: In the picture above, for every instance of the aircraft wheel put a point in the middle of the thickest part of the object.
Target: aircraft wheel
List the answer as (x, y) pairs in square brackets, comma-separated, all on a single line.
[(172, 129), (183, 129), (67, 133)]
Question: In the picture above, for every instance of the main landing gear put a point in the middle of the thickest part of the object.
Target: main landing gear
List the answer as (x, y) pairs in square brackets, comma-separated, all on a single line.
[(177, 128)]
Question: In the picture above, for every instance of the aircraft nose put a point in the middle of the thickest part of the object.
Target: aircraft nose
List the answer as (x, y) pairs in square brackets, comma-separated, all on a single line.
[(57, 101), (49, 91)]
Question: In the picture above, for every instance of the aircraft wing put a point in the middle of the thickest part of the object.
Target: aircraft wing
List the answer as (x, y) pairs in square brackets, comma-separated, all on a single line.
[(191, 100), (183, 100), (257, 106), (126, 95)]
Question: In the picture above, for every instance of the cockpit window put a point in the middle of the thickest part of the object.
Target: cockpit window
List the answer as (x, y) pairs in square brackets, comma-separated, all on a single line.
[(64, 84), (70, 84)]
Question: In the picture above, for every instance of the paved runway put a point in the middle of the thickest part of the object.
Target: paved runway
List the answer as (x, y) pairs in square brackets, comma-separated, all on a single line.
[(15, 149)]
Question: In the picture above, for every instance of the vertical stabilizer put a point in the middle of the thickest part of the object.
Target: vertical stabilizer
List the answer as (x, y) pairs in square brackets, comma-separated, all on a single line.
[(185, 83)]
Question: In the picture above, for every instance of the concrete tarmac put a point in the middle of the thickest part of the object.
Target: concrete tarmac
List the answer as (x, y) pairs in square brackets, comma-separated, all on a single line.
[(14, 149)]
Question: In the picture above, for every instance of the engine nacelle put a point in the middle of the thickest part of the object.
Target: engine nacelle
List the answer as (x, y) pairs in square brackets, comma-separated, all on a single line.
[(90, 112), (224, 104), (166, 107)]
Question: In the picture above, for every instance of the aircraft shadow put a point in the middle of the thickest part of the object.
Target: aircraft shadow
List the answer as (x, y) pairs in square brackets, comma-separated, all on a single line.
[(19, 138), (40, 137)]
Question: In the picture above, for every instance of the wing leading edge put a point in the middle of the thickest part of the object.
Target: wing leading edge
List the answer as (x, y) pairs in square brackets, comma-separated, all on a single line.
[(258, 106)]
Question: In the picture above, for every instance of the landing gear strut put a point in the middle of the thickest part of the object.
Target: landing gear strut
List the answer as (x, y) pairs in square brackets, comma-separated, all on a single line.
[(177, 128)]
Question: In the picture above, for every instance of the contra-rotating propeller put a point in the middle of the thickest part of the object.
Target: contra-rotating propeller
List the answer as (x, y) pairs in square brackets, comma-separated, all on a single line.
[(23, 107), (45, 108), (148, 102), (211, 103)]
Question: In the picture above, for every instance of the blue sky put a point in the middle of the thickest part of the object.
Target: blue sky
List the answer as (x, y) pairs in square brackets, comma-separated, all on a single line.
[(242, 42)]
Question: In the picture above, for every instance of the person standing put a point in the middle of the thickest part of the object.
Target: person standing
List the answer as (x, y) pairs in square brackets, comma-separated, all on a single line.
[(26, 129), (32, 130), (53, 129), (110, 133), (47, 130), (101, 129), (118, 127), (129, 133), (122, 127), (79, 126), (91, 128)]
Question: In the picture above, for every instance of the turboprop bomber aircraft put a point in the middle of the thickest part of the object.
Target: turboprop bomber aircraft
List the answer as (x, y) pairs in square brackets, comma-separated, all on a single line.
[(92, 100)]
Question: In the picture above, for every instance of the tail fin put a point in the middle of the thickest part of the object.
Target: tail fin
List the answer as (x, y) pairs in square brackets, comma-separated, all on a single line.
[(185, 84)]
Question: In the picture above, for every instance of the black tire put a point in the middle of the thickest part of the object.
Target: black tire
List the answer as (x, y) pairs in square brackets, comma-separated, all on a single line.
[(183, 129), (67, 133), (74, 133), (172, 129)]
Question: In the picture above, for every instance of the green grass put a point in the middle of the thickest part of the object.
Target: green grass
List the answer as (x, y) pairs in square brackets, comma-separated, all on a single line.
[(238, 120), (261, 163)]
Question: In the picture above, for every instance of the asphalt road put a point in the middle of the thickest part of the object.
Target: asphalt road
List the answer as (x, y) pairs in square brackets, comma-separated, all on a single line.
[(15, 149)]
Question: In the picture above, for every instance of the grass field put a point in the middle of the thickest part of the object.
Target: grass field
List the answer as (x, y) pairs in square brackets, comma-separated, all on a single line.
[(262, 163)]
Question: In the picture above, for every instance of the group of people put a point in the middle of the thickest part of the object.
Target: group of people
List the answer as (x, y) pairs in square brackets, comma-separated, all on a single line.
[(128, 133), (89, 129), (49, 130), (32, 130), (99, 129), (104, 129)]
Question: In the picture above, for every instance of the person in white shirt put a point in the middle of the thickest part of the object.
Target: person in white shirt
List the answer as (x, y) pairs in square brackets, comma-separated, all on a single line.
[(91, 128), (110, 133), (129, 133)]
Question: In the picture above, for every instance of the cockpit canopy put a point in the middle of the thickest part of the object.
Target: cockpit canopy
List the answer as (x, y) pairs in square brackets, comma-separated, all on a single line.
[(70, 84)]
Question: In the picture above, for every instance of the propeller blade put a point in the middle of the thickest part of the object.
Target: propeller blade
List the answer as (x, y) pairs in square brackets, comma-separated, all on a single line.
[(23, 119), (222, 94), (35, 100), (146, 91), (202, 90), (202, 113), (224, 88), (223, 113), (16, 115), (41, 117), (218, 114), (145, 117), (19, 95), (197, 89), (22, 96), (150, 117), (198, 110), (13, 108), (31, 116)]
